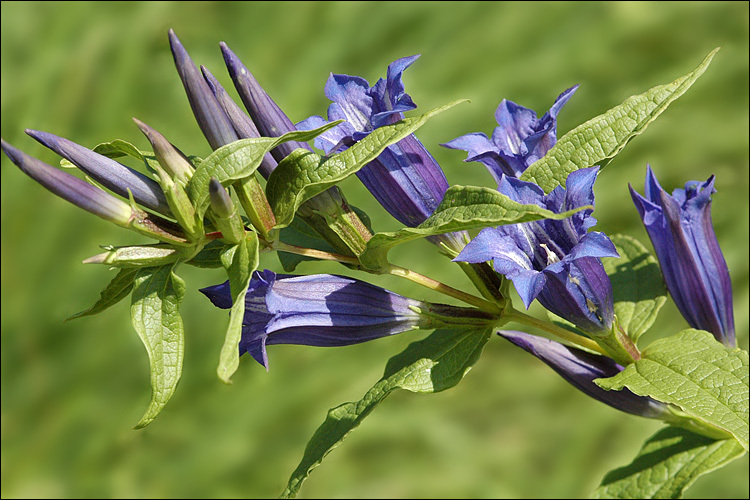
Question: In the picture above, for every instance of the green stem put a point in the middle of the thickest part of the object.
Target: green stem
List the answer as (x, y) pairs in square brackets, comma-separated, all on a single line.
[(315, 254), (415, 277), (519, 317), (437, 286)]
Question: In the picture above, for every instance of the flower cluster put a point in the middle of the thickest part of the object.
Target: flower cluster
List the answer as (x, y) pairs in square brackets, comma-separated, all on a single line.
[(557, 262)]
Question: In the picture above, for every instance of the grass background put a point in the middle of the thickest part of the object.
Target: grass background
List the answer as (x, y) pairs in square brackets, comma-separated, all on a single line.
[(71, 391)]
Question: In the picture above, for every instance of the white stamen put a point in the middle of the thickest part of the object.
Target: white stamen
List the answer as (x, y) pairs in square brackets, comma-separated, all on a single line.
[(592, 307), (551, 256)]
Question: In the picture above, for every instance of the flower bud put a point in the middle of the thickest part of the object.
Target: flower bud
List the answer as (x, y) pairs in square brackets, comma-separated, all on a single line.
[(71, 188), (136, 256), (168, 156), (225, 213), (108, 172)]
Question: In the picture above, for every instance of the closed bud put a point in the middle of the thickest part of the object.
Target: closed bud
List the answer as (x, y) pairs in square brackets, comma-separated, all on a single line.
[(136, 256), (71, 188), (226, 218), (111, 174), (168, 156)]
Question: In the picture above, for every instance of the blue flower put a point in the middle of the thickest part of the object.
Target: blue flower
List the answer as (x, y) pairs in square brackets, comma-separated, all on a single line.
[(519, 140), (692, 264), (318, 310), (581, 368), (405, 179), (554, 261)]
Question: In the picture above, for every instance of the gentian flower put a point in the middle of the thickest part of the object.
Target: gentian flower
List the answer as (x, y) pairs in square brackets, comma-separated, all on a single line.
[(405, 179), (317, 310), (555, 261), (328, 310), (691, 261), (519, 140), (581, 368)]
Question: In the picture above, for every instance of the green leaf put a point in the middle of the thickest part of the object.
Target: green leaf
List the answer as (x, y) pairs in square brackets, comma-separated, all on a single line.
[(707, 380), (462, 208), (119, 148), (240, 261), (669, 462), (598, 140), (237, 160), (154, 311), (303, 174), (434, 364), (639, 290), (210, 255), (115, 291)]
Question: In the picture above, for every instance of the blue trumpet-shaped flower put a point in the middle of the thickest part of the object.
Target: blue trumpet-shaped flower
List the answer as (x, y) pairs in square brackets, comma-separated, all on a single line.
[(405, 179), (581, 368), (692, 263), (555, 261), (318, 310), (519, 140)]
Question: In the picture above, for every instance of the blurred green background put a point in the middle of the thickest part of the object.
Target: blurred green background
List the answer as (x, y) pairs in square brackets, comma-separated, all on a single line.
[(71, 391)]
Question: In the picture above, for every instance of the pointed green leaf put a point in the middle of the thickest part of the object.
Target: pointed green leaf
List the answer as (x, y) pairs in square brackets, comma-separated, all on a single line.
[(238, 160), (639, 289), (155, 314), (240, 261), (118, 148), (598, 140), (303, 174), (434, 364), (692, 370), (462, 208), (669, 462), (115, 291)]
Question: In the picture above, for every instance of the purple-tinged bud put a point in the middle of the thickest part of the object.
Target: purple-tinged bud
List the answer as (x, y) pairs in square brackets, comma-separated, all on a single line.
[(108, 172), (242, 123), (71, 188), (692, 263), (267, 115), (168, 156), (211, 118), (581, 368)]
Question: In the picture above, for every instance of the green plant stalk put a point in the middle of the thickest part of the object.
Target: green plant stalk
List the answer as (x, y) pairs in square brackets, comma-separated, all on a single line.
[(525, 319)]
